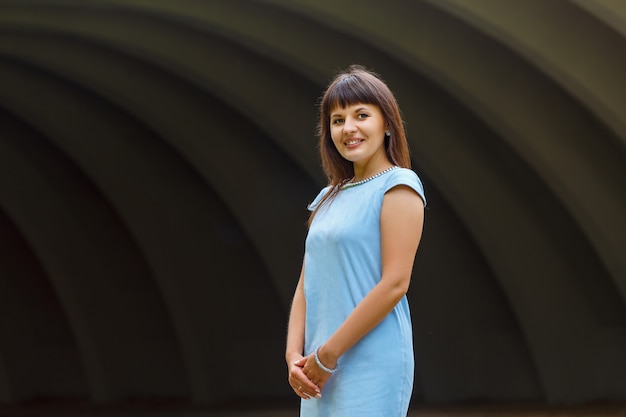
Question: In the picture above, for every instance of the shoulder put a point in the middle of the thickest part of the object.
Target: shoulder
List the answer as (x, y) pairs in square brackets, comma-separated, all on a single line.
[(407, 177), (313, 205)]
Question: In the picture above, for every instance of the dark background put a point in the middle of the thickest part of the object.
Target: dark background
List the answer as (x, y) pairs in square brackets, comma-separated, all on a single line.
[(156, 159)]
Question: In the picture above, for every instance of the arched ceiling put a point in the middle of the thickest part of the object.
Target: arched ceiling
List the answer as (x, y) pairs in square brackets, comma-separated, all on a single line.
[(157, 157)]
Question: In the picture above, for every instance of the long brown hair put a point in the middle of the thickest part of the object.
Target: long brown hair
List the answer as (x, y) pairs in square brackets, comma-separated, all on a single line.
[(356, 85)]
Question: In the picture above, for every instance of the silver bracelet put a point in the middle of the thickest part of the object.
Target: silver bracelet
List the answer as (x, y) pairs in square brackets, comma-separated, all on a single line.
[(321, 365)]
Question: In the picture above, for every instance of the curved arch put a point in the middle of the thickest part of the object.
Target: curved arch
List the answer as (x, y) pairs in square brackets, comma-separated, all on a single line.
[(468, 341), (268, 79), (188, 275), (611, 13), (115, 91), (506, 168), (570, 57), (7, 391), (53, 216), (126, 269), (36, 335), (521, 125), (538, 133)]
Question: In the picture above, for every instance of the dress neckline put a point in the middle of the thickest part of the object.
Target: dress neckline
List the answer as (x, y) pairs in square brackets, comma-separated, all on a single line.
[(368, 179)]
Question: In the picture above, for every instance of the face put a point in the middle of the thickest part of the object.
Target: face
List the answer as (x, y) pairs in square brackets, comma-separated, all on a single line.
[(358, 132)]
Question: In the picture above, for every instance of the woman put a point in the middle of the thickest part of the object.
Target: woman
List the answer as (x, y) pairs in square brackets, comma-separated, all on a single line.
[(349, 344)]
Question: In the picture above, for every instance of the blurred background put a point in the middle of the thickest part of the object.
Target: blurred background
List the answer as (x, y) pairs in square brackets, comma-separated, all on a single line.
[(157, 157)]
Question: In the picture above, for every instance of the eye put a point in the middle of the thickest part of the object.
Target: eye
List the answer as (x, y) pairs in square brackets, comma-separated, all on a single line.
[(363, 115), (337, 121)]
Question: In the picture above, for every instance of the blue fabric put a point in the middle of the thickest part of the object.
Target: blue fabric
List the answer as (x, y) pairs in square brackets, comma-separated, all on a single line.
[(342, 265)]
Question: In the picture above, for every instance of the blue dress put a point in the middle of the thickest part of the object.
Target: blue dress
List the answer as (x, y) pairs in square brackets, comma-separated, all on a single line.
[(342, 265)]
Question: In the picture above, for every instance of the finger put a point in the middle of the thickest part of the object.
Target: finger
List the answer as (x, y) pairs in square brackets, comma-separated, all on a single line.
[(304, 394), (301, 393), (306, 387), (300, 362), (302, 384), (312, 390), (308, 395)]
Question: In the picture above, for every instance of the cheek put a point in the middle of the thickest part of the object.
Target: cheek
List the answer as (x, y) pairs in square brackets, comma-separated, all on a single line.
[(335, 135)]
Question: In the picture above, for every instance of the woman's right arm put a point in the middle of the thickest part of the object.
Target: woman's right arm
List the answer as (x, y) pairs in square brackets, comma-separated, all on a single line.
[(295, 345), (295, 330)]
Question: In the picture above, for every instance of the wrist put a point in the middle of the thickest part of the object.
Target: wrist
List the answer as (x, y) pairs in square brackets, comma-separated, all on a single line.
[(291, 357), (325, 361), (327, 356)]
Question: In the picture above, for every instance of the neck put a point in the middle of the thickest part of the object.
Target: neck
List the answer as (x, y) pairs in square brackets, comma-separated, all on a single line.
[(364, 171)]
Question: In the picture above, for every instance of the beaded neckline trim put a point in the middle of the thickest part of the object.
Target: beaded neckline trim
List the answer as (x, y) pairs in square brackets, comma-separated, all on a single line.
[(354, 184)]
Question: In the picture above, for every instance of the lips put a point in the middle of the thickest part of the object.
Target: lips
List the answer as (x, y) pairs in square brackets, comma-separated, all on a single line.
[(352, 142)]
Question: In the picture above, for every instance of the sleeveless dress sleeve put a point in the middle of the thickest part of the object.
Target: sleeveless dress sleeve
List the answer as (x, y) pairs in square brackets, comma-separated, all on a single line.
[(406, 177), (313, 205)]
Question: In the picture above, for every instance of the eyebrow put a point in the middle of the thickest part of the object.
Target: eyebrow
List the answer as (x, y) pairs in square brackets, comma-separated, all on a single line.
[(355, 111)]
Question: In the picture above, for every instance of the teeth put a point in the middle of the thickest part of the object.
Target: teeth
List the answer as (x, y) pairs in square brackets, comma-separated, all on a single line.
[(353, 142)]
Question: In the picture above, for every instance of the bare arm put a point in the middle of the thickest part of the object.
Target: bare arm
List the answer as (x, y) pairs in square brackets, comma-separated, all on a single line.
[(295, 344), (402, 211), (295, 330)]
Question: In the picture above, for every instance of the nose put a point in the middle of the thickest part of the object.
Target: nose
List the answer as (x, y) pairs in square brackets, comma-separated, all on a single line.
[(348, 125)]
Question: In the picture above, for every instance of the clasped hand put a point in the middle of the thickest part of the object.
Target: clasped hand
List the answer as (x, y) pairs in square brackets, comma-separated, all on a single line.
[(306, 378)]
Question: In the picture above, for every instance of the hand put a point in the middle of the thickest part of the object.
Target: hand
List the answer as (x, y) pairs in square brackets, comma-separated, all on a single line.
[(301, 384), (316, 374)]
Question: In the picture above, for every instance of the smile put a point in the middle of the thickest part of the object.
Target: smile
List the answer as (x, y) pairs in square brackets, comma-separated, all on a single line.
[(353, 142)]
